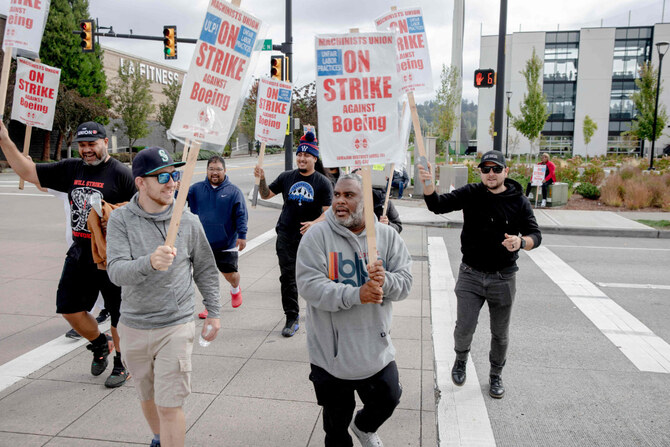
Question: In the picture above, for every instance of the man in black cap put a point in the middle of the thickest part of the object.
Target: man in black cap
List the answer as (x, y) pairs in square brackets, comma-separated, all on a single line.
[(156, 324), (94, 174), (307, 194), (498, 222)]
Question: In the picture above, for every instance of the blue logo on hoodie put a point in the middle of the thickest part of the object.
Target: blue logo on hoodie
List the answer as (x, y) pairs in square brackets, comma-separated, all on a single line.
[(301, 192)]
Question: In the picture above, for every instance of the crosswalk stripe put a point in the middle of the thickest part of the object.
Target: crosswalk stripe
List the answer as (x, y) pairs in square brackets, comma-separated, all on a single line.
[(632, 286), (462, 418), (26, 364), (644, 349)]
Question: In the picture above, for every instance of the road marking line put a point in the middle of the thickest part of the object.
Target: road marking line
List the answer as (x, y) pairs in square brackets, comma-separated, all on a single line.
[(26, 364), (636, 341), (592, 247), (24, 194), (633, 286), (462, 419)]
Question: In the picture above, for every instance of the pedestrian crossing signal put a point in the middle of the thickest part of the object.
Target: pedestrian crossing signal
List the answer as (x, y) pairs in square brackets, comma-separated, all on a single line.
[(86, 36), (485, 78), (170, 42)]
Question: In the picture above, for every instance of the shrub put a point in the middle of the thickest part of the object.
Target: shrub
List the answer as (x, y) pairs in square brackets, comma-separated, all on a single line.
[(568, 174), (588, 191), (659, 192), (635, 194), (123, 157), (592, 174), (611, 193), (628, 171)]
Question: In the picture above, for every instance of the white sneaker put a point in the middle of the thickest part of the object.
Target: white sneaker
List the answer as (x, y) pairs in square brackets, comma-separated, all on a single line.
[(544, 203), (366, 439)]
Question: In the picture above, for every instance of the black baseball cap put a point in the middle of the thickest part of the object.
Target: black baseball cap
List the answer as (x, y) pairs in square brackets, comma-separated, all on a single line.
[(496, 157), (90, 131), (152, 159)]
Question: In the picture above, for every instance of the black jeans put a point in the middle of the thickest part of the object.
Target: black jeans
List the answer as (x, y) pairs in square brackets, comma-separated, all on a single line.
[(380, 395), (287, 250), (473, 289)]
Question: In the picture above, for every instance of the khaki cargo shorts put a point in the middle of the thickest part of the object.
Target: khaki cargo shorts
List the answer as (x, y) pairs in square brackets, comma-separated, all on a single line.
[(159, 361)]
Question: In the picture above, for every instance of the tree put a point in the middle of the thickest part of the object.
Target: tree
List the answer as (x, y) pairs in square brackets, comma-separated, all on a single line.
[(304, 107), (534, 114), (166, 109), (448, 100), (132, 101), (645, 103), (492, 127), (588, 129), (247, 121)]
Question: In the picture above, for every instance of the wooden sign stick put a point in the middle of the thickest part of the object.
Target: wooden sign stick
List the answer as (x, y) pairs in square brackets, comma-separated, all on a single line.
[(417, 133), (368, 209), (187, 144), (4, 80), (179, 204), (388, 190), (257, 180)]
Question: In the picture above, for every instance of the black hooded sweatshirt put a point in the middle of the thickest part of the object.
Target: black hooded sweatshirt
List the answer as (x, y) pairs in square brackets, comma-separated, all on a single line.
[(486, 219)]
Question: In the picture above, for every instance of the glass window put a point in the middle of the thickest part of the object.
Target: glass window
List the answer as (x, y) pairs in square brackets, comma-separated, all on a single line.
[(561, 37), (569, 126), (574, 36), (614, 126), (550, 38), (633, 33), (620, 33), (645, 33)]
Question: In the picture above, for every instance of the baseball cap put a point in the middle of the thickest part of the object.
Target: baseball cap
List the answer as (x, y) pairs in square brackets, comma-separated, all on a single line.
[(152, 159), (496, 157), (90, 131)]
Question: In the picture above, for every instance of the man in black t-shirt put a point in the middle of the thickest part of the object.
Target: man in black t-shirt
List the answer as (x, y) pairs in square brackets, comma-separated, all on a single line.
[(95, 174), (307, 194)]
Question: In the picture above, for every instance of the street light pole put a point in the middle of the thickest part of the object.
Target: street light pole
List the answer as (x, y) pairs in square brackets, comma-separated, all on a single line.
[(662, 48), (509, 96)]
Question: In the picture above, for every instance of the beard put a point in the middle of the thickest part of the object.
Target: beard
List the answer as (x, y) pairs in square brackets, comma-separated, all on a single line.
[(302, 171), (353, 220)]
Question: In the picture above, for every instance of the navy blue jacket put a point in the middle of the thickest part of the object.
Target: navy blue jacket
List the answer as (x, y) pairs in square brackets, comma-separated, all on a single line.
[(222, 211)]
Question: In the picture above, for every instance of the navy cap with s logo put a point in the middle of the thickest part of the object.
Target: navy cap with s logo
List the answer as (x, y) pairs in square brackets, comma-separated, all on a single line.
[(152, 159)]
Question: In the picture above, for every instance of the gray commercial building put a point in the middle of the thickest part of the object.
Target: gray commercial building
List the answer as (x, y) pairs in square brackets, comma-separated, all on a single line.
[(590, 71)]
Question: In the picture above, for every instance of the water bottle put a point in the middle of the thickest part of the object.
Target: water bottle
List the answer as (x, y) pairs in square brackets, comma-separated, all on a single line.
[(204, 343)]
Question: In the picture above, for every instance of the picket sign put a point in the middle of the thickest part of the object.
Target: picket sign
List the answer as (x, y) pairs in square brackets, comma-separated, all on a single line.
[(388, 190), (26, 143), (4, 80), (187, 175), (257, 180)]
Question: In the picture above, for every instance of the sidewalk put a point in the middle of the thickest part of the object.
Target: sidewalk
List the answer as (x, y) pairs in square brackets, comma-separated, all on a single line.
[(250, 386)]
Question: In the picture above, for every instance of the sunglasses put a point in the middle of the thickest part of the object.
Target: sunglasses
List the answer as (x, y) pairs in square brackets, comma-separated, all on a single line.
[(164, 177), (486, 169)]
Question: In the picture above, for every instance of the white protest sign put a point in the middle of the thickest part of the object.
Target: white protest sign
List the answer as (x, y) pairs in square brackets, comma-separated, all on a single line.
[(538, 174), (357, 90), (273, 103), (35, 93), (25, 25), (412, 45), (212, 93)]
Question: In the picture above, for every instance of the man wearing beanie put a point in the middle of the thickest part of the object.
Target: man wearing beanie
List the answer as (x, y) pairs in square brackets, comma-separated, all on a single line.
[(94, 174), (498, 222), (156, 326), (307, 194)]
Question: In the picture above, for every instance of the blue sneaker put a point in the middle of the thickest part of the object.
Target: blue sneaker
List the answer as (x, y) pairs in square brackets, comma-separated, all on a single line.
[(155, 443), (291, 327)]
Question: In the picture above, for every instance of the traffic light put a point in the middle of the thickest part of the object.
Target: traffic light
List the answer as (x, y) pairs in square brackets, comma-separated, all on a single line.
[(485, 78), (86, 36), (277, 67), (170, 42)]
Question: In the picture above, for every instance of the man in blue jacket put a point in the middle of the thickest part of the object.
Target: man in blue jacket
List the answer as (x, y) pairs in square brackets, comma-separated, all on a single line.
[(223, 213)]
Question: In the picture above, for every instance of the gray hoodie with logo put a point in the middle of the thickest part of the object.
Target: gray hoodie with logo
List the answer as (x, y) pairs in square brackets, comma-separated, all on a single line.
[(348, 339), (151, 298)]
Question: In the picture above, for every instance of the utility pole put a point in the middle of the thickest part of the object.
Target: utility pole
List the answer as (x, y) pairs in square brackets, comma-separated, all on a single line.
[(500, 82), (287, 48)]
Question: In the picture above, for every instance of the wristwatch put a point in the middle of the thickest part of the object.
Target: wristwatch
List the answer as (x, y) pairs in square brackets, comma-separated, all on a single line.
[(523, 244)]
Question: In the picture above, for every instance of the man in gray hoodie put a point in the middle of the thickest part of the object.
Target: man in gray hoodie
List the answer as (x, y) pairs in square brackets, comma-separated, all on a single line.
[(349, 314), (158, 297)]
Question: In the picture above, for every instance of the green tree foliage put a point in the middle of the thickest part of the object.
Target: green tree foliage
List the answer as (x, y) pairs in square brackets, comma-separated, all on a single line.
[(534, 112), (166, 109), (589, 128), (645, 103), (448, 99), (247, 121), (60, 48), (304, 108), (132, 101)]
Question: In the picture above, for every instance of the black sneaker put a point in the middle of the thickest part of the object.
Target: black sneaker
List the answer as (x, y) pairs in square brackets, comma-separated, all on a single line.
[(496, 390), (119, 375), (100, 354), (74, 335), (291, 326), (102, 316), (458, 372)]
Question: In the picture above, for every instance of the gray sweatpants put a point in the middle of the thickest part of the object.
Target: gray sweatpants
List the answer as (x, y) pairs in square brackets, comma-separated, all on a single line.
[(473, 288)]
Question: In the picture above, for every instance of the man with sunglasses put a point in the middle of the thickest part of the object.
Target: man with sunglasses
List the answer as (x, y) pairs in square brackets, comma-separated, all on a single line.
[(156, 326), (498, 222), (94, 174)]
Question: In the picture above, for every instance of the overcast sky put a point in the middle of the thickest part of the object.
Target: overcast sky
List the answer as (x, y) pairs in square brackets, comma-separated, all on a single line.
[(321, 17)]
